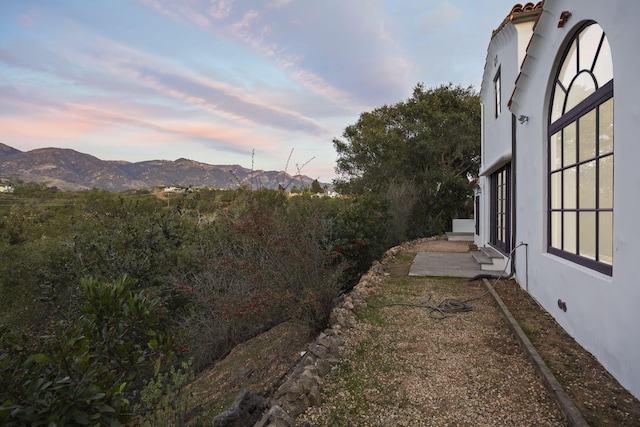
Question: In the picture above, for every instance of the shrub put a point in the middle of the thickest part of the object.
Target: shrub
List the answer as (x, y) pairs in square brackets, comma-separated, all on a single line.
[(165, 400), (80, 374), (263, 261), (359, 233)]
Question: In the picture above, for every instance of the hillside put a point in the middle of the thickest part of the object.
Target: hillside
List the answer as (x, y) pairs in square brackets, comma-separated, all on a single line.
[(71, 170)]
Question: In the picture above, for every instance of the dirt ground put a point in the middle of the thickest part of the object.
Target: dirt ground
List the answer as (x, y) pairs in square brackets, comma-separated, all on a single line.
[(262, 363), (599, 397), (259, 364), (413, 367)]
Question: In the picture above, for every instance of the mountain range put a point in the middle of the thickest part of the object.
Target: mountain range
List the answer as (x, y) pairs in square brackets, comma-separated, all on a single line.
[(68, 169)]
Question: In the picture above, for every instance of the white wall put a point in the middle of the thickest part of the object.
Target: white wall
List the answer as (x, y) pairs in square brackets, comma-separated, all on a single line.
[(602, 311), (505, 53), (502, 54)]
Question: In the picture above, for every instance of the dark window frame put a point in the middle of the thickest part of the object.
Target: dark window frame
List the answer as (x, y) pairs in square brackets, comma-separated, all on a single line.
[(500, 236), (497, 89), (591, 103), (477, 214)]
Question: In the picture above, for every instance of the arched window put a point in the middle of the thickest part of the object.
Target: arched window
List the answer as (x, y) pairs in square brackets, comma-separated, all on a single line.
[(580, 164)]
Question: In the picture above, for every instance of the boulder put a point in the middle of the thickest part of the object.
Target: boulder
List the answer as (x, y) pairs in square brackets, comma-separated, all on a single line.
[(245, 411)]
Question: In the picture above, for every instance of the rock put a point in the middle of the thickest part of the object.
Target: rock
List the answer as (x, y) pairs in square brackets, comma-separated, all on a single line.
[(293, 390), (314, 396), (309, 360), (323, 366), (339, 341), (276, 417), (328, 342), (318, 350), (245, 411), (310, 372)]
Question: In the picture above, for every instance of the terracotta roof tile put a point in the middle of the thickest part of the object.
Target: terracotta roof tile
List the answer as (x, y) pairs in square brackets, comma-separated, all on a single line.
[(520, 12), (539, 6)]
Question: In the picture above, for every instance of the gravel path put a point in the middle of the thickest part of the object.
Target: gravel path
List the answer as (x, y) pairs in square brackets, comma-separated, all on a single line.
[(405, 368)]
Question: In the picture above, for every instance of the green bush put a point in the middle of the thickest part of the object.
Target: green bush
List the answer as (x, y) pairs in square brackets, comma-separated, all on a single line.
[(166, 400), (360, 234), (80, 374), (226, 269), (263, 261)]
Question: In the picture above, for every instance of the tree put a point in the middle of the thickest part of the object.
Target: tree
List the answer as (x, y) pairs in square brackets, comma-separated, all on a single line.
[(432, 139), (315, 187)]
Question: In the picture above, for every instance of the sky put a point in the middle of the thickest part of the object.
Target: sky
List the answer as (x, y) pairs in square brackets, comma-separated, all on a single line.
[(266, 84)]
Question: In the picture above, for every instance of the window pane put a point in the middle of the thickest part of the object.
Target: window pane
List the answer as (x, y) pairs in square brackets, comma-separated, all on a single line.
[(589, 42), (569, 145), (606, 182), (605, 238), (569, 66), (556, 190), (581, 154), (569, 188), (556, 229), (587, 179), (604, 67), (555, 152), (569, 232), (587, 132), (588, 235), (500, 209), (558, 101), (581, 87), (606, 127), (498, 95)]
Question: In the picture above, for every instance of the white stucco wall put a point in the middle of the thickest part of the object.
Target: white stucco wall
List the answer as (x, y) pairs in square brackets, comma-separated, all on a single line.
[(505, 53), (602, 312), (502, 55)]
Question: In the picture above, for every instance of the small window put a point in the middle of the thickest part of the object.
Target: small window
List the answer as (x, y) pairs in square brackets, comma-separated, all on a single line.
[(580, 147), (498, 94)]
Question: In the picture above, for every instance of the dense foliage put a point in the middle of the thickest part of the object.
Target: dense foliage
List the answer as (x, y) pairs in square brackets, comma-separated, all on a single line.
[(98, 286), (428, 145), (78, 375)]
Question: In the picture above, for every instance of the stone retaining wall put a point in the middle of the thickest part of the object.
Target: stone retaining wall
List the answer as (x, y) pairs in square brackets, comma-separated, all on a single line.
[(303, 387)]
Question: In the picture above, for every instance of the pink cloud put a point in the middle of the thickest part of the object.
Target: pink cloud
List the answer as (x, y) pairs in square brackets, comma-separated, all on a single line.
[(204, 130), (318, 85), (254, 29), (51, 127), (190, 12), (205, 93), (277, 4), (221, 9), (31, 17)]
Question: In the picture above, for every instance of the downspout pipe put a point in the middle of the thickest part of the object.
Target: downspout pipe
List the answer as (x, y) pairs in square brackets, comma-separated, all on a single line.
[(514, 175)]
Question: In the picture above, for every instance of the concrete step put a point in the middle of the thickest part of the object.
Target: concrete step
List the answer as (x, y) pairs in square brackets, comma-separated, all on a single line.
[(491, 252), (481, 258), (489, 259), (457, 236)]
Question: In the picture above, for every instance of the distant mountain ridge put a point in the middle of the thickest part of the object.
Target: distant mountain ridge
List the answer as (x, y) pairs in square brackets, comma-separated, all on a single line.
[(71, 170)]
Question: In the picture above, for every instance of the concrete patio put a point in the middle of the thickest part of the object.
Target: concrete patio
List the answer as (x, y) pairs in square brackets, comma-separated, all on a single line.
[(447, 264)]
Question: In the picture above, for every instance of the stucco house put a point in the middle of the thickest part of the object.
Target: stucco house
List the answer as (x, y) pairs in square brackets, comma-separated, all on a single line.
[(559, 189)]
